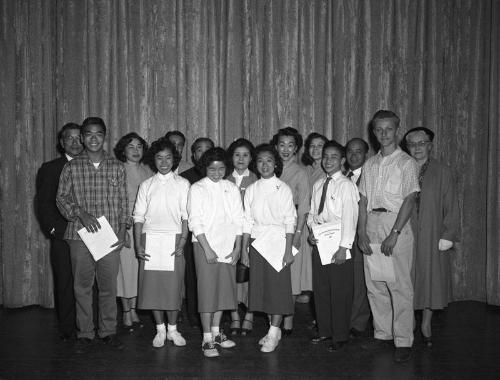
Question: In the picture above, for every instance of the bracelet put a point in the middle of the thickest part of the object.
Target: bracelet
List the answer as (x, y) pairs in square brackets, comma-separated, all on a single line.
[(299, 231)]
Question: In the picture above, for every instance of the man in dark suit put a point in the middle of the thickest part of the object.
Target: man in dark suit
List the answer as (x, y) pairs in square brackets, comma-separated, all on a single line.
[(356, 151), (53, 225)]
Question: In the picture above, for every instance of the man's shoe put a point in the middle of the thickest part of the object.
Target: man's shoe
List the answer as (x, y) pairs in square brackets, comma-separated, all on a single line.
[(270, 344), (402, 354), (209, 349), (113, 341), (221, 340), (377, 344), (83, 345), (176, 337), (353, 333), (320, 339), (336, 346)]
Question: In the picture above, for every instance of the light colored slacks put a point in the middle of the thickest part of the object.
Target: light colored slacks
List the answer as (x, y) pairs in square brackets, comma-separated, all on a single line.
[(392, 303)]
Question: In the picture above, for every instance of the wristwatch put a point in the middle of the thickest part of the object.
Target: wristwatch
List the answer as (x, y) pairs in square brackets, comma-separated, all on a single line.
[(396, 231)]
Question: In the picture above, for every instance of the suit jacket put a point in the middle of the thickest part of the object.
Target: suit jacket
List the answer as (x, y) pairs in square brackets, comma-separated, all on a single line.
[(47, 182)]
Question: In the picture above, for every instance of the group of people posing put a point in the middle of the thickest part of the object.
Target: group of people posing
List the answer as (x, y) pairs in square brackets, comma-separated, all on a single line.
[(233, 198)]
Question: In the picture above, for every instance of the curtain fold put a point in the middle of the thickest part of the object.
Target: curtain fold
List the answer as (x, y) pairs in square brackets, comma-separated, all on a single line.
[(228, 69)]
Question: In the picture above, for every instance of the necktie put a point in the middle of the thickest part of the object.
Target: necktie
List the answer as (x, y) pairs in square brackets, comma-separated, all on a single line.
[(350, 174), (323, 195)]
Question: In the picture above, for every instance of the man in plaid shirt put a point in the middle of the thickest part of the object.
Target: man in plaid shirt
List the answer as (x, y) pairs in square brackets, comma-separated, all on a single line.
[(92, 185)]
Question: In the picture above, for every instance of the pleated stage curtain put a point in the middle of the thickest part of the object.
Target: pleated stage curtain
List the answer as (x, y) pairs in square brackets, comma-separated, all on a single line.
[(232, 68)]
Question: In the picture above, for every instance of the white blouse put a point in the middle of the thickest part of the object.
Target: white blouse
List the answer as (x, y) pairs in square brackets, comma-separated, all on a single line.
[(269, 202), (341, 206), (212, 204), (161, 203)]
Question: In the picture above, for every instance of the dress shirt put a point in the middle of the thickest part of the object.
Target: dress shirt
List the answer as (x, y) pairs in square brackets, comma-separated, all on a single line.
[(212, 204), (341, 206), (269, 202), (161, 203), (98, 191), (238, 178), (387, 181)]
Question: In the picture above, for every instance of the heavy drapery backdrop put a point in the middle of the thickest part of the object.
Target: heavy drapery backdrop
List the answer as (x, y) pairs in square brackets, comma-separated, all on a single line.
[(231, 68)]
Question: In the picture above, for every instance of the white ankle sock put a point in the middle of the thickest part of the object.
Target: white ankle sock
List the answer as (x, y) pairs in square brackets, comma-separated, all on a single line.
[(215, 330), (207, 337), (273, 331), (171, 327), (160, 327)]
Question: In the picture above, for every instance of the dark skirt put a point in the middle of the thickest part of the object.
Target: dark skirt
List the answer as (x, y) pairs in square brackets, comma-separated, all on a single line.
[(161, 290), (216, 283), (269, 291)]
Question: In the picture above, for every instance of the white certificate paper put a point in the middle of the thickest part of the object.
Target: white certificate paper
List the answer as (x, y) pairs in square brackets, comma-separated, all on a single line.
[(99, 243), (328, 236), (381, 266), (271, 244), (221, 240), (159, 247)]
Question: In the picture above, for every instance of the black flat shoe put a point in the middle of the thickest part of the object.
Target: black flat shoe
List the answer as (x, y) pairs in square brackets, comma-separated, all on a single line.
[(286, 332), (246, 331), (320, 339), (336, 346), (235, 327), (427, 340)]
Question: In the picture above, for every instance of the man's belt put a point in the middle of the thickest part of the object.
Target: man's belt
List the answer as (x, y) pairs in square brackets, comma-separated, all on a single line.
[(380, 209)]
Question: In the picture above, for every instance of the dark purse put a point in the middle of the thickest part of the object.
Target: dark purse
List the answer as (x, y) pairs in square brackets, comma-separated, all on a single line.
[(242, 272)]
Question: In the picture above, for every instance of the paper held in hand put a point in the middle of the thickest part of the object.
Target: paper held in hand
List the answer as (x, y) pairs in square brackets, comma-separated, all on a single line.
[(271, 244), (99, 243), (159, 247), (381, 266), (328, 236), (221, 240)]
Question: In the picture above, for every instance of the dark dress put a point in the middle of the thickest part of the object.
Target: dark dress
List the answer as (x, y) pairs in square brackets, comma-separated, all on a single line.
[(437, 218)]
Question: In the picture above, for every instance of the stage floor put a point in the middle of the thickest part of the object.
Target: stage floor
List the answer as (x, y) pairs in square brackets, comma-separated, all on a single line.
[(466, 346)]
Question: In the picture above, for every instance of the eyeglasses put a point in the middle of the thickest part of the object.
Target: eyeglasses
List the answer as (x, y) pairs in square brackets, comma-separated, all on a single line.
[(419, 144)]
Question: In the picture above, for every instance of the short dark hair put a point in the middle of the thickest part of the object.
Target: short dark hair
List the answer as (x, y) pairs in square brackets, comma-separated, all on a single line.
[(384, 115), (175, 133), (94, 120), (124, 141), (60, 134), (200, 140), (157, 146), (306, 157), (336, 145), (212, 155), (241, 142), (288, 131), (269, 148), (363, 143)]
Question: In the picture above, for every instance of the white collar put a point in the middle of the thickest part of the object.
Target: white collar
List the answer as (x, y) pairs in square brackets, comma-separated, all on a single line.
[(246, 173)]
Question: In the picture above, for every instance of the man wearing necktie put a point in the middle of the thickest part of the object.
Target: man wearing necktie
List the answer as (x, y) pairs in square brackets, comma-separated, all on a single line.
[(356, 151), (334, 201)]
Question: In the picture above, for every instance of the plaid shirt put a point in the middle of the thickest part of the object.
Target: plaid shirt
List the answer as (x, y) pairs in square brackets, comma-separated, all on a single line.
[(387, 181), (99, 192)]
